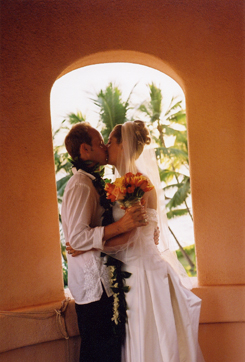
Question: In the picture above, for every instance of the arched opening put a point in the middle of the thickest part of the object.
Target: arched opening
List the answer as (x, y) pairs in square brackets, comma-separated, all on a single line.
[(74, 91)]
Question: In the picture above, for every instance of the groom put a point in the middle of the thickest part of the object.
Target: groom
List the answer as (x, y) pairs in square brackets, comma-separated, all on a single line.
[(88, 277)]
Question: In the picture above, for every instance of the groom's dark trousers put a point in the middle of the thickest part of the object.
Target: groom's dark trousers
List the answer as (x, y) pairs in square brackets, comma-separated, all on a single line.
[(98, 342)]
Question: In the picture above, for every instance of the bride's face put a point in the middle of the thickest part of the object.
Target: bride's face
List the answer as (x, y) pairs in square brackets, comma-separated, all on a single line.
[(114, 150)]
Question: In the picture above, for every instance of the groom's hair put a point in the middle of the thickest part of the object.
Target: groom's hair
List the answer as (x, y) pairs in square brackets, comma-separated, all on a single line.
[(77, 135)]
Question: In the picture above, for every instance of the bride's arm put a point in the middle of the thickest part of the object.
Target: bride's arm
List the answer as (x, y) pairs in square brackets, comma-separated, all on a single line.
[(151, 203), (151, 199), (122, 239)]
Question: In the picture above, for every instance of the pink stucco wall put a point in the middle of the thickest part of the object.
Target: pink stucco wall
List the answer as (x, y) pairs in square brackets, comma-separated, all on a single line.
[(201, 45)]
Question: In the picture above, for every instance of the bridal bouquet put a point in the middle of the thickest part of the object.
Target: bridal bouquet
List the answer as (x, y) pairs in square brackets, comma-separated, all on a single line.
[(128, 189)]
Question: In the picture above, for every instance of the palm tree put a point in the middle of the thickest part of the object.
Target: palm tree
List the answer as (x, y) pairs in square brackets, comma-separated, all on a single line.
[(174, 158), (112, 109)]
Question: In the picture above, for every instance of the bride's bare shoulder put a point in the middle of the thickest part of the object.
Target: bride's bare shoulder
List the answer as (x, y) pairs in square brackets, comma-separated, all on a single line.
[(151, 198)]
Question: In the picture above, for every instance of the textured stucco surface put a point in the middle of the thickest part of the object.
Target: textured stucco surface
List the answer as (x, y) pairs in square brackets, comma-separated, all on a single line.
[(201, 45)]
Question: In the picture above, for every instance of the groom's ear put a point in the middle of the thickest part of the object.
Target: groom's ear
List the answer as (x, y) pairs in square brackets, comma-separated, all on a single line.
[(84, 151)]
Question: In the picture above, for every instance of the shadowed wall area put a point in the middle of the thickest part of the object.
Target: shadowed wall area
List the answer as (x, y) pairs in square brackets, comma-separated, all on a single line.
[(201, 45)]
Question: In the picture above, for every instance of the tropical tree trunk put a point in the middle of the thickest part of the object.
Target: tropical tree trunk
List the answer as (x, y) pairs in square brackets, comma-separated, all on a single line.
[(161, 134), (185, 255)]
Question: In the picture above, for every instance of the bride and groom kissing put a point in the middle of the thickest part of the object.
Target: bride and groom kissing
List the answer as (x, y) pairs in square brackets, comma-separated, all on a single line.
[(163, 314)]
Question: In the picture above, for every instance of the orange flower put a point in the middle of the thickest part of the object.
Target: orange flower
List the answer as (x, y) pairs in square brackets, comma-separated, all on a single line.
[(144, 184), (112, 192), (128, 189), (119, 182), (139, 180), (128, 174)]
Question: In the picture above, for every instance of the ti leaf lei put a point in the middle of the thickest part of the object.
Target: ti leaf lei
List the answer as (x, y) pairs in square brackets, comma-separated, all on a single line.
[(117, 276)]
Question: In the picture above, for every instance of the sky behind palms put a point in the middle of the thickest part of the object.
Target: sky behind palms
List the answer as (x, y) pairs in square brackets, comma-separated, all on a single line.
[(73, 92)]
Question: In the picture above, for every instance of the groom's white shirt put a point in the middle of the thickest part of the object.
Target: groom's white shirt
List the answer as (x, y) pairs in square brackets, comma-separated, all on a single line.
[(81, 215)]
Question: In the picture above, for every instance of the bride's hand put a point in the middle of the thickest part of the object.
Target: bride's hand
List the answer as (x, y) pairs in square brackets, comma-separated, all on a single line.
[(135, 216)]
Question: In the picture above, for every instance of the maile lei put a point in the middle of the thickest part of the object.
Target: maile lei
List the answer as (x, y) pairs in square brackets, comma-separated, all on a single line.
[(117, 276)]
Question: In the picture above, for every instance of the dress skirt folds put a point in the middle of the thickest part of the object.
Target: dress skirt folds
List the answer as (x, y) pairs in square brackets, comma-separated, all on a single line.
[(163, 315)]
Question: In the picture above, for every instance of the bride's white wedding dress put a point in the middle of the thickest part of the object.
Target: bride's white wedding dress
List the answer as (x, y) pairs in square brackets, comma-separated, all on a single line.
[(163, 316)]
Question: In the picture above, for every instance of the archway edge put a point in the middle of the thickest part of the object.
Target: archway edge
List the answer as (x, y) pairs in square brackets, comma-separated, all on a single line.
[(125, 56)]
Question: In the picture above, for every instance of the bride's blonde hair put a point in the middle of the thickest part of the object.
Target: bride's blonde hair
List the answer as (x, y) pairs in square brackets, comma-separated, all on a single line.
[(141, 136)]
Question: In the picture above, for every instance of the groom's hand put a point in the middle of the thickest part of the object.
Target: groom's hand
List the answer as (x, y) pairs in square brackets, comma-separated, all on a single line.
[(73, 252), (156, 235)]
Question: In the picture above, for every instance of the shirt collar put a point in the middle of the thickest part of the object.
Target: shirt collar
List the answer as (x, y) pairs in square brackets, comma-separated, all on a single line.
[(75, 171)]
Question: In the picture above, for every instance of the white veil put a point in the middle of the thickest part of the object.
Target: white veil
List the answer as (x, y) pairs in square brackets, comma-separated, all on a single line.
[(147, 165)]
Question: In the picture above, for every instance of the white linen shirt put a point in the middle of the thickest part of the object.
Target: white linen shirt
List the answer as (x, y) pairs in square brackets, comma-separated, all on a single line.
[(81, 215)]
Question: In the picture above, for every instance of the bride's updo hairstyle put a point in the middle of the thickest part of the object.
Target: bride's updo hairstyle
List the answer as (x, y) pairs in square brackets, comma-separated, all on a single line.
[(133, 135), (140, 136)]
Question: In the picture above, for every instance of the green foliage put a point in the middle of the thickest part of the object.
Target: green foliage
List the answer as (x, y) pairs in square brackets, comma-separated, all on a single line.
[(153, 108), (190, 250), (180, 196), (112, 109), (60, 185), (173, 160), (177, 212), (74, 118), (64, 258)]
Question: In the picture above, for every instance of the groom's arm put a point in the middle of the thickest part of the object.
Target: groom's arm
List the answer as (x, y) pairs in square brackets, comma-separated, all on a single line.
[(117, 233), (78, 207), (77, 212), (112, 243)]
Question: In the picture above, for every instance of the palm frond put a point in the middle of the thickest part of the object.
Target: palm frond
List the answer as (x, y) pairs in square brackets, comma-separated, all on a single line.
[(180, 195), (112, 109), (144, 110), (155, 102), (61, 184), (178, 117), (171, 152), (74, 118), (173, 106), (130, 95), (171, 186), (177, 212), (167, 175), (169, 131)]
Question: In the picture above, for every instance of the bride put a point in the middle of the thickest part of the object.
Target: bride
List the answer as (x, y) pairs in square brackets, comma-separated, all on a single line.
[(163, 314)]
